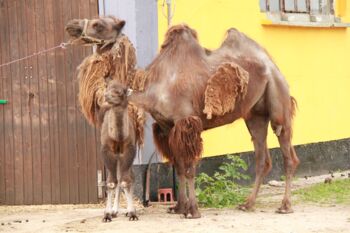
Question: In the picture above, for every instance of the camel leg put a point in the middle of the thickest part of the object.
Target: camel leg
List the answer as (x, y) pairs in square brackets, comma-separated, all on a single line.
[(291, 162), (127, 179), (131, 211), (257, 126), (110, 165), (180, 206), (115, 208), (191, 205)]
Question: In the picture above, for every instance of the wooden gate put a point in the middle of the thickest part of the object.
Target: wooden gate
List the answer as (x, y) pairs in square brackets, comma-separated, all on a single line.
[(48, 153)]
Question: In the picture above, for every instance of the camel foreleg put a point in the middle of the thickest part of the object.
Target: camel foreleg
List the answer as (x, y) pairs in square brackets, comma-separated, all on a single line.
[(110, 164), (180, 206), (192, 205), (127, 179), (185, 143)]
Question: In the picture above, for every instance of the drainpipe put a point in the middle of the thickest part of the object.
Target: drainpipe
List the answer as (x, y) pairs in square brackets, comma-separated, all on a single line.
[(169, 13), (169, 17)]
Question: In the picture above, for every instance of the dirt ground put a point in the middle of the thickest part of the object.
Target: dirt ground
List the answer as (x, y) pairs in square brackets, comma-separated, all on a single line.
[(307, 218)]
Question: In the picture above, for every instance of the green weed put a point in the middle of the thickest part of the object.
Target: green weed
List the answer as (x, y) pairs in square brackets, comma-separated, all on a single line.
[(337, 192), (221, 189)]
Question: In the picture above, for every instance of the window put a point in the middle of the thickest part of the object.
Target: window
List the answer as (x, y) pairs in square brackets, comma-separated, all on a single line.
[(303, 12)]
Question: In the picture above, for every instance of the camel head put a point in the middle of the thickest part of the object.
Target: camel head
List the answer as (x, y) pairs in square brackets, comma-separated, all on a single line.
[(99, 31), (116, 94)]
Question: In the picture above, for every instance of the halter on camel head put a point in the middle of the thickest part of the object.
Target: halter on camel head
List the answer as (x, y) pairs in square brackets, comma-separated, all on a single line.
[(90, 40)]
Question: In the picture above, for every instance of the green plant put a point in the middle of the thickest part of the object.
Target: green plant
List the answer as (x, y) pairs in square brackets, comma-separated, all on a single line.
[(221, 189)]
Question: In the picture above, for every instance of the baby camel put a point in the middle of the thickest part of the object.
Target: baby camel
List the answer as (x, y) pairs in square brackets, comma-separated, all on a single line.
[(118, 149)]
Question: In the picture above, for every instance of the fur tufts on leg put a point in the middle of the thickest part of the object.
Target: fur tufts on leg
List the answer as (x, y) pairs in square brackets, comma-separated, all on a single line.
[(185, 140)]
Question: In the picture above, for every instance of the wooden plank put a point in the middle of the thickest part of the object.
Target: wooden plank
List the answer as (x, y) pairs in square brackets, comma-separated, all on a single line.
[(17, 71), (72, 62), (8, 111), (3, 26), (44, 103), (52, 97), (61, 104), (93, 9), (34, 100), (26, 154), (91, 138), (81, 130)]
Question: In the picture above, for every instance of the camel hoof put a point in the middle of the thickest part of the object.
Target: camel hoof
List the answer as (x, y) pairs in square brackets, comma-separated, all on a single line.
[(191, 211), (175, 210), (245, 208), (132, 216), (192, 216), (171, 210), (114, 214), (284, 211), (107, 217)]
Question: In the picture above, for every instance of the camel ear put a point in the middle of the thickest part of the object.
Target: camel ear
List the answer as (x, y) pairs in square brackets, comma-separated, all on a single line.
[(129, 92), (119, 25)]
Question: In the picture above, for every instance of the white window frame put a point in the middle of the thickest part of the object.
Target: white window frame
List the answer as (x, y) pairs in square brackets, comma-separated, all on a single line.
[(308, 13)]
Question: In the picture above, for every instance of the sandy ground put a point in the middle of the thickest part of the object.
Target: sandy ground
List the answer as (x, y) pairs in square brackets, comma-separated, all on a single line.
[(307, 218)]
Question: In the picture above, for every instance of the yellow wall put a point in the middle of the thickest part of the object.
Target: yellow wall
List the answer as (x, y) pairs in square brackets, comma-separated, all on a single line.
[(315, 62)]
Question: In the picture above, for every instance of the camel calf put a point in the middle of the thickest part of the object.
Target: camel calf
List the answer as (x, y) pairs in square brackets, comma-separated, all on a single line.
[(118, 149)]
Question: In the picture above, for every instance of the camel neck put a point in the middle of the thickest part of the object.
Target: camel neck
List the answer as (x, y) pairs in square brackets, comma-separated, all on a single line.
[(118, 122)]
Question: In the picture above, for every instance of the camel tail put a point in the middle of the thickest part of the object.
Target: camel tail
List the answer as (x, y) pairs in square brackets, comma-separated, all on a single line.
[(294, 106)]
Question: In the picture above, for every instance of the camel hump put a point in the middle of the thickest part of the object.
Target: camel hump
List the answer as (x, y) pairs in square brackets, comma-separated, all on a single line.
[(232, 38), (233, 31), (224, 88)]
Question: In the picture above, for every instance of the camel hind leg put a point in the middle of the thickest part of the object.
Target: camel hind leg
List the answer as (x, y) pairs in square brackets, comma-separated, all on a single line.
[(257, 126), (283, 126), (291, 162)]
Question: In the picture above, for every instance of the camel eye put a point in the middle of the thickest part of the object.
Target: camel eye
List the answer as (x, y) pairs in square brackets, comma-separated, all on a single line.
[(117, 92), (97, 26)]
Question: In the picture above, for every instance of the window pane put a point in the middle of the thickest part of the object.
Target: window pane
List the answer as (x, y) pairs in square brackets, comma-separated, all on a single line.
[(263, 5), (274, 5), (315, 6), (301, 5), (289, 5), (326, 6)]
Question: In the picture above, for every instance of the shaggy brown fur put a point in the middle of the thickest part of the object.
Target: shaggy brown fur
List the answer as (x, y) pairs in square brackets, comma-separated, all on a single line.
[(161, 141), (227, 85), (185, 140), (91, 73)]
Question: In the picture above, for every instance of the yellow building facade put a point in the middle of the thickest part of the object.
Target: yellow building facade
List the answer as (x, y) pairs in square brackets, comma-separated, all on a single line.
[(314, 60)]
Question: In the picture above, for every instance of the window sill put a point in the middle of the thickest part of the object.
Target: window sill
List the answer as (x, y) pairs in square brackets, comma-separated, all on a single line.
[(302, 20), (268, 22)]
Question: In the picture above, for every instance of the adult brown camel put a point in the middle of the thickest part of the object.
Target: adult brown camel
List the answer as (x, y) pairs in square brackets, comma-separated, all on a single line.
[(189, 89)]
